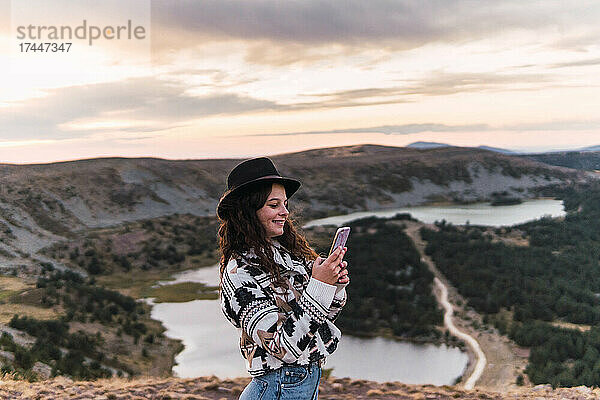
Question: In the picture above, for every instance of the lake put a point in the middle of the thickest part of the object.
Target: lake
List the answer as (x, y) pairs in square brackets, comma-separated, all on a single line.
[(211, 342), (211, 348), (475, 214)]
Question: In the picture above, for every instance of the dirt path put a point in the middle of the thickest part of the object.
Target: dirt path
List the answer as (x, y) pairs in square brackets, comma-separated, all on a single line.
[(505, 360), (449, 311)]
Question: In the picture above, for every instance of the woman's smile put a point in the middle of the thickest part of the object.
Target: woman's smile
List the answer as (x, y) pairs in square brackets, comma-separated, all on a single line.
[(273, 214)]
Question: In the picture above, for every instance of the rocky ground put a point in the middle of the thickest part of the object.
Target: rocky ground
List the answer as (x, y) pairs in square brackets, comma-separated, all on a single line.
[(213, 388)]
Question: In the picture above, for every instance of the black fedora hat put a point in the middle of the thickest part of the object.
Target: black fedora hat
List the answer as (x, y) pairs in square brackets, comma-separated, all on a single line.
[(252, 171)]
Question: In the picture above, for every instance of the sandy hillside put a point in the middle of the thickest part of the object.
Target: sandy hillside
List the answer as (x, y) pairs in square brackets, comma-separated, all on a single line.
[(213, 388)]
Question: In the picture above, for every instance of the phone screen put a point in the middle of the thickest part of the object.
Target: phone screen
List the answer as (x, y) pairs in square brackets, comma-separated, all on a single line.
[(341, 236)]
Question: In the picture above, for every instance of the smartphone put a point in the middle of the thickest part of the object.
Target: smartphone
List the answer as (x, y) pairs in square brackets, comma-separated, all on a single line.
[(341, 236)]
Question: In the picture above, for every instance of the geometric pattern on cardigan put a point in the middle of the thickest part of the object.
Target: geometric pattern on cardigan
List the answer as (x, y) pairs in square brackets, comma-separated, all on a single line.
[(278, 326)]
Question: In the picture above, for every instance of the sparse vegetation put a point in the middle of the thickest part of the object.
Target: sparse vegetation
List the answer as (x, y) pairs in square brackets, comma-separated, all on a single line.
[(182, 292), (391, 291), (553, 279), (124, 261), (585, 160), (73, 344), (170, 243)]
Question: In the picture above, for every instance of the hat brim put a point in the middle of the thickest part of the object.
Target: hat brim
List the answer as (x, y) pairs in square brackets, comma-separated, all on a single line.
[(291, 186)]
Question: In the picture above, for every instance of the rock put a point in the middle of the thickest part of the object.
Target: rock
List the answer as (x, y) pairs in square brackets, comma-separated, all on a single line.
[(205, 389), (43, 370), (7, 355), (583, 389), (337, 387), (212, 386), (538, 388)]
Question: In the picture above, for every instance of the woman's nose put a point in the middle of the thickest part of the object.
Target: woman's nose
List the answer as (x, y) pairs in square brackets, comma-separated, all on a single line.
[(284, 211)]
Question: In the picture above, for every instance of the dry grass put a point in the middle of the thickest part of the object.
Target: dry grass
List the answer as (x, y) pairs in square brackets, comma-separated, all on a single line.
[(568, 325), (11, 286), (133, 283), (212, 388), (17, 296), (181, 292), (12, 283), (8, 310)]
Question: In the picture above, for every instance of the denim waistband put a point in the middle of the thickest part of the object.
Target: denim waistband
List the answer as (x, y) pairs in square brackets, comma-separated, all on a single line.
[(293, 381), (318, 363)]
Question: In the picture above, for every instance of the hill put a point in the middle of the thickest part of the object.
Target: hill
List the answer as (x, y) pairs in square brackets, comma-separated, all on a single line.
[(435, 145), (591, 148), (497, 149), (426, 145), (206, 388), (584, 160), (541, 290), (122, 224), (40, 204)]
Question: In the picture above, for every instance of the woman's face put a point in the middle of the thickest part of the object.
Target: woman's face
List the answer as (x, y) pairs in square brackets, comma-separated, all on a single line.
[(274, 212)]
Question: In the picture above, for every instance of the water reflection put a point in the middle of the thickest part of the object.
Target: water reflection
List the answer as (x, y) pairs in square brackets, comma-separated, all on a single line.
[(475, 214), (211, 342)]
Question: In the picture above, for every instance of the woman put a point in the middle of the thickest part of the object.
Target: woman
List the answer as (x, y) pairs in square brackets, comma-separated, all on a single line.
[(274, 289)]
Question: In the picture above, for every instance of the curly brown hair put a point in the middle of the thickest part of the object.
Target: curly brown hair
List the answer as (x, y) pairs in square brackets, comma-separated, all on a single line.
[(240, 230)]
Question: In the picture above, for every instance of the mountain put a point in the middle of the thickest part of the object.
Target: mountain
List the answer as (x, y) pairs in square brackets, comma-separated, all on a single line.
[(582, 160), (497, 150), (43, 203), (591, 148), (125, 223), (427, 145), (435, 145)]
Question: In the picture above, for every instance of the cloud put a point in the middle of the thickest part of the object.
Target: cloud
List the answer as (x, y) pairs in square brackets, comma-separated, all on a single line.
[(554, 126), (146, 105), (438, 83), (309, 21), (397, 25), (4, 17), (444, 83), (409, 129), (579, 63), (72, 111), (578, 41), (391, 129)]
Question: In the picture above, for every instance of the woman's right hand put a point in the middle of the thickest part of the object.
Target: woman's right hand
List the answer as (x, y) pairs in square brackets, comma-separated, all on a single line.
[(328, 270)]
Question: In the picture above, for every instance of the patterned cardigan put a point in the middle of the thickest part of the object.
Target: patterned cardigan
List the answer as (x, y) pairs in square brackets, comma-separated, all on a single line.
[(280, 326)]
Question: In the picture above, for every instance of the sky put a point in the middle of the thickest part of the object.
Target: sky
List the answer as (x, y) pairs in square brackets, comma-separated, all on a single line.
[(242, 78)]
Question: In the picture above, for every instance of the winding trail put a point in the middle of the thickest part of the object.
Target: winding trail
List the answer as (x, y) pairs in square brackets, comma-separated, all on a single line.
[(412, 230), (470, 340)]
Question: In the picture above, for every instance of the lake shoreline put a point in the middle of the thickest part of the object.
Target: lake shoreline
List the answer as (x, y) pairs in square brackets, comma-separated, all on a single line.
[(382, 335)]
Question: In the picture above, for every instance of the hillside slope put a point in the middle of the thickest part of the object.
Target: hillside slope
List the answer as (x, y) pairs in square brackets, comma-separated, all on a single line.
[(76, 213), (585, 160), (205, 388), (43, 203)]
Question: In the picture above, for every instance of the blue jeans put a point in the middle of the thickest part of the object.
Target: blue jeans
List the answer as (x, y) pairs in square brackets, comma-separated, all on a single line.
[(290, 382)]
